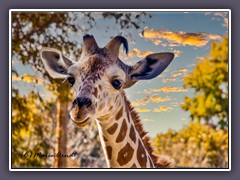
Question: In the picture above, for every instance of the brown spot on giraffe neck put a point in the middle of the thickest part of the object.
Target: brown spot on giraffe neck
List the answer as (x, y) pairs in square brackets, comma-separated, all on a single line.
[(109, 152), (122, 132), (95, 92), (112, 129), (125, 154), (101, 106), (100, 87), (127, 112), (110, 108), (105, 139), (134, 166), (105, 95), (119, 114), (116, 98), (141, 155), (138, 126), (132, 134)]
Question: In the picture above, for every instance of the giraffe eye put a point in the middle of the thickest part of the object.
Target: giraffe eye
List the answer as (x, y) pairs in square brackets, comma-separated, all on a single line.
[(71, 80), (117, 84)]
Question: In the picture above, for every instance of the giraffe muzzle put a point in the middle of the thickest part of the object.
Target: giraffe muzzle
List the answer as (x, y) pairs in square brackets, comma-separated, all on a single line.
[(82, 101), (81, 111)]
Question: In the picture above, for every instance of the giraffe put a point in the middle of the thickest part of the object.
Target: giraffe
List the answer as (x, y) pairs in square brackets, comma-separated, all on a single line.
[(98, 81)]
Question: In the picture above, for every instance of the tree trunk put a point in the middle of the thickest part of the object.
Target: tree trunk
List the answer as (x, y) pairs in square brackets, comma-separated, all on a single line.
[(61, 134)]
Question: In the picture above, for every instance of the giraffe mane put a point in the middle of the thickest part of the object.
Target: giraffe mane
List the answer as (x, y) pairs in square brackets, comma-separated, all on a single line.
[(160, 161)]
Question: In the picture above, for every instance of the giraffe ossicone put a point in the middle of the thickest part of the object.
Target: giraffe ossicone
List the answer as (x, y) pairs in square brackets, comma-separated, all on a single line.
[(98, 79)]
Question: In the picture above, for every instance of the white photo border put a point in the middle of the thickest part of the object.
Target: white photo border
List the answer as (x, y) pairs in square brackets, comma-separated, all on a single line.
[(115, 10)]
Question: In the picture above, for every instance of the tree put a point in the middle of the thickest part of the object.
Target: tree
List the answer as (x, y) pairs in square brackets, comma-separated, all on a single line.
[(196, 145), (210, 81), (33, 30), (31, 125)]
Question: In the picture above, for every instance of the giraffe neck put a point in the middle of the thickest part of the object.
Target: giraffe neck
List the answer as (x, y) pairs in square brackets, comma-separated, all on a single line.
[(122, 144)]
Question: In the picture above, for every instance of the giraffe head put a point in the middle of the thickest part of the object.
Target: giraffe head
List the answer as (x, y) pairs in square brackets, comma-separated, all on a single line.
[(100, 77)]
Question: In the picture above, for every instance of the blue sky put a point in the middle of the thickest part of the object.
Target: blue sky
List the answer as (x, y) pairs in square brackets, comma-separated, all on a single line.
[(187, 34)]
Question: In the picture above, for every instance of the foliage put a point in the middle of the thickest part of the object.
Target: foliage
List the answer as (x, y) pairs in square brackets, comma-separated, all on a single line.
[(196, 145), (210, 81), (31, 129)]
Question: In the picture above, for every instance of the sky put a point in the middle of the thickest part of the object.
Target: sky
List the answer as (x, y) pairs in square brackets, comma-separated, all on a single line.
[(187, 34)]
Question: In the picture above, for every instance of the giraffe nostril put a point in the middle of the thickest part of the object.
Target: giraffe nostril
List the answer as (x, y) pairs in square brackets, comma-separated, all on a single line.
[(88, 102), (82, 101), (74, 102)]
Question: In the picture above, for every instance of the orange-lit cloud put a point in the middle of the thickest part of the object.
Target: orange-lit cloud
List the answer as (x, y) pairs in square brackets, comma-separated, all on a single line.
[(27, 78), (172, 89), (147, 120), (177, 53), (148, 99), (179, 72), (135, 52), (159, 99), (179, 38), (141, 102), (169, 80), (182, 70), (143, 110), (162, 109), (156, 41), (165, 89), (142, 54)]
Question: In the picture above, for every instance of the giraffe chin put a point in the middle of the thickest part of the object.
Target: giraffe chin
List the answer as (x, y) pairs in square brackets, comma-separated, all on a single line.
[(81, 116), (82, 123)]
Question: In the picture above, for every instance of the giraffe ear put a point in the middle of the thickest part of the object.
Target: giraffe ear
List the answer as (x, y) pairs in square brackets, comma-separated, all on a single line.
[(148, 68), (151, 66), (55, 63)]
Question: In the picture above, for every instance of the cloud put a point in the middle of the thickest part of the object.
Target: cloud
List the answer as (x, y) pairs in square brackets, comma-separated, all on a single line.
[(176, 104), (141, 102), (219, 16), (179, 38), (159, 99), (27, 78), (157, 109), (183, 119), (165, 89), (148, 99), (182, 70), (179, 72), (156, 41), (176, 74), (169, 80), (172, 89), (142, 54), (191, 65), (135, 52), (201, 58), (143, 110), (162, 109), (177, 53), (169, 44), (148, 120)]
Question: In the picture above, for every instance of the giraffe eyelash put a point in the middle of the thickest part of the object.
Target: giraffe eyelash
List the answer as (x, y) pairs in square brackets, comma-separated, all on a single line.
[(65, 79), (68, 79)]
